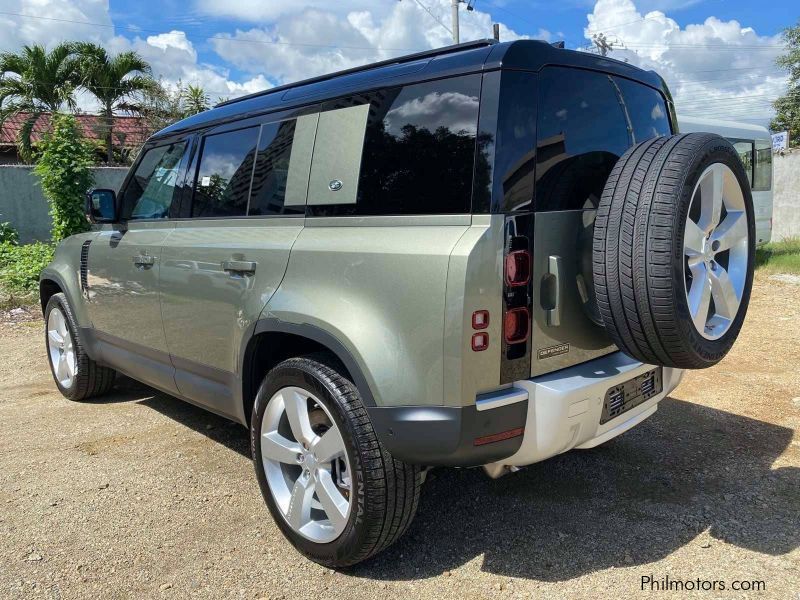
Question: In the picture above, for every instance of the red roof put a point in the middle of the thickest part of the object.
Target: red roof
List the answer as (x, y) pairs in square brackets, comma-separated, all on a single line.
[(128, 131)]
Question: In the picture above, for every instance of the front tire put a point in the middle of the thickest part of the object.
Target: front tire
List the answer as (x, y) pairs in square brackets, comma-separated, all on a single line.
[(336, 494), (76, 375)]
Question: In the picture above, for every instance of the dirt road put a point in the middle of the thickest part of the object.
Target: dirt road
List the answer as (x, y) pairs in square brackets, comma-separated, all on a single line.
[(141, 495)]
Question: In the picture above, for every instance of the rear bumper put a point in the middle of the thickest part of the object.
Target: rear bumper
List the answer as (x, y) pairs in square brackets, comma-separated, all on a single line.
[(527, 423), (564, 408)]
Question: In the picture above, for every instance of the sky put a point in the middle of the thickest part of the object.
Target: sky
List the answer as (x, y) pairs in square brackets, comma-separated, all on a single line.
[(718, 56)]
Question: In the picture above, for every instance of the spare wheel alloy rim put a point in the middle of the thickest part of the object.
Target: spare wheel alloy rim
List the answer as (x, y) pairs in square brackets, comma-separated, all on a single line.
[(306, 465), (715, 249)]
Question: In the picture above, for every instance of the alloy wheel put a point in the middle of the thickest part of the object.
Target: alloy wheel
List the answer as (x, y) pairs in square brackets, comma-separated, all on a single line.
[(61, 348), (715, 248), (306, 464)]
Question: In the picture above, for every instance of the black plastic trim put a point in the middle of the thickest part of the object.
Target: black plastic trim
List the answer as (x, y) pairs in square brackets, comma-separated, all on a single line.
[(315, 334), (445, 435)]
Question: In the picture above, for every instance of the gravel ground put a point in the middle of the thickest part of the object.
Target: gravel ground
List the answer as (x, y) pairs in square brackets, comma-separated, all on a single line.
[(141, 495)]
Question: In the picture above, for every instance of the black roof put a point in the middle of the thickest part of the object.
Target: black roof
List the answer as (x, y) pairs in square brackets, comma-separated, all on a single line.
[(471, 57)]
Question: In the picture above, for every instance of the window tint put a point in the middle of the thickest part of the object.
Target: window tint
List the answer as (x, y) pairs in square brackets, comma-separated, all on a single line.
[(582, 132), (150, 192), (744, 148), (222, 186), (762, 178), (271, 174), (646, 109), (418, 151)]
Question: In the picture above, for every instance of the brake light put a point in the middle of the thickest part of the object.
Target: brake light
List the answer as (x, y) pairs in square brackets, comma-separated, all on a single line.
[(518, 268), (516, 324)]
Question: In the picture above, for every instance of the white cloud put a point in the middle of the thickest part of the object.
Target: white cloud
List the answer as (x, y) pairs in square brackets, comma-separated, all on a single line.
[(717, 69), (171, 54), (315, 38)]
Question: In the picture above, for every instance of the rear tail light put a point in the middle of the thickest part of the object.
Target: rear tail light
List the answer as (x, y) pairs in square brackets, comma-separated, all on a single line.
[(518, 268), (516, 325)]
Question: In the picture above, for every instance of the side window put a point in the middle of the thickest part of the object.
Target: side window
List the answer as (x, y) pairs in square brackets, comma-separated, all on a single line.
[(273, 192), (762, 179), (581, 133), (418, 150), (151, 190), (646, 109), (744, 148), (222, 185)]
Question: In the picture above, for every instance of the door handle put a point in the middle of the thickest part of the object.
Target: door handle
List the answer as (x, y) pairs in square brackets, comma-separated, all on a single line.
[(554, 270), (242, 267), (144, 260)]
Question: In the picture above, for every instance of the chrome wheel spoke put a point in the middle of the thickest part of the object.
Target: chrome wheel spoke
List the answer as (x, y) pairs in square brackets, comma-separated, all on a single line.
[(333, 502), (276, 447), (329, 446), (693, 239), (726, 300), (299, 513), (711, 186), (296, 406), (730, 232), (55, 338), (700, 297)]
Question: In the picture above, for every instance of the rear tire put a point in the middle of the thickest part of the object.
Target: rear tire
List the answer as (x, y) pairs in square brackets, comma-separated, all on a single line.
[(76, 375), (381, 494), (673, 250)]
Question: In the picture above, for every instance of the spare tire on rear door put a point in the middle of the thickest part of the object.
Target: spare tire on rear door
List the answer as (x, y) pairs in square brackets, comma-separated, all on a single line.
[(674, 249)]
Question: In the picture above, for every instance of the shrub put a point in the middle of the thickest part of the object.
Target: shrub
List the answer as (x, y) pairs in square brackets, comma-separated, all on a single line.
[(63, 168), (8, 235), (20, 266)]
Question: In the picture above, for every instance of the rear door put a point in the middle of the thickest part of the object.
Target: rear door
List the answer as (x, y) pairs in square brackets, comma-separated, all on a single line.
[(586, 121), (229, 251)]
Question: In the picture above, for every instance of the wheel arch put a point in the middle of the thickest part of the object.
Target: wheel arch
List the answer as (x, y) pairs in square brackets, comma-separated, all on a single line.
[(271, 341)]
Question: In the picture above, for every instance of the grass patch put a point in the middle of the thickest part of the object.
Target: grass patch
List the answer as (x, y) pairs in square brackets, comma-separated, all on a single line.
[(20, 266), (780, 257)]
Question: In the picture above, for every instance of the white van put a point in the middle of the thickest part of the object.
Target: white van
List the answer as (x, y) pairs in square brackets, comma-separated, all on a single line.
[(754, 145)]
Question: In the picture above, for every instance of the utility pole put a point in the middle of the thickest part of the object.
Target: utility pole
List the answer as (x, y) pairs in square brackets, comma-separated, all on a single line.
[(454, 10)]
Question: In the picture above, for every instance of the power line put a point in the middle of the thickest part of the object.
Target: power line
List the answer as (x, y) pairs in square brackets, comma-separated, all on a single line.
[(435, 18)]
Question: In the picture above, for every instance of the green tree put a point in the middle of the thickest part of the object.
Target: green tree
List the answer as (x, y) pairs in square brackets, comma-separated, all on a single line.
[(34, 81), (787, 107), (118, 82), (194, 100), (64, 171)]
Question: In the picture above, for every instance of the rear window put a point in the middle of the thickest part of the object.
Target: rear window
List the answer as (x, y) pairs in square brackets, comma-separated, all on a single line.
[(222, 186), (418, 151), (586, 121)]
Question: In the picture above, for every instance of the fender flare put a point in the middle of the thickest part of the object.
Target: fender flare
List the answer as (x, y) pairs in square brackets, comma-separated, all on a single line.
[(319, 335)]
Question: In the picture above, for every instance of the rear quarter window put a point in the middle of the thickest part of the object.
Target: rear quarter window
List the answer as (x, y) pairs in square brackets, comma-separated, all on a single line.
[(418, 150), (586, 121)]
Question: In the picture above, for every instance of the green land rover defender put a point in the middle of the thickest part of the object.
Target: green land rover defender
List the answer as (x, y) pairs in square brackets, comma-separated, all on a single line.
[(478, 256)]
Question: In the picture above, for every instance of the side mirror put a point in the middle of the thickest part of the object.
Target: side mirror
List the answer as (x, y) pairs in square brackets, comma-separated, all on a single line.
[(101, 206)]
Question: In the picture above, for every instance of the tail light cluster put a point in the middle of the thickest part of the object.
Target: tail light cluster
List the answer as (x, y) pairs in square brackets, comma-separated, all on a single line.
[(480, 340), (517, 297), (516, 321)]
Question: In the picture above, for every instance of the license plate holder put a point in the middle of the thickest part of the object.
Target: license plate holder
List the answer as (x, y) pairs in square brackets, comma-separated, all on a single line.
[(629, 394)]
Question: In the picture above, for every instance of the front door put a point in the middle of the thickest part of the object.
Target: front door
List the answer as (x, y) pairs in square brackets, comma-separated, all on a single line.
[(124, 261), (228, 255)]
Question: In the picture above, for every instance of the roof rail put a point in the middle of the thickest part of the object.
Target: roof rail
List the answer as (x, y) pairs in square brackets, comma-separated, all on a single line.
[(391, 61)]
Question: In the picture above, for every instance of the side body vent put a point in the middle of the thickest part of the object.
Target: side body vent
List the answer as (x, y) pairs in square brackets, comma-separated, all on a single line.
[(85, 266)]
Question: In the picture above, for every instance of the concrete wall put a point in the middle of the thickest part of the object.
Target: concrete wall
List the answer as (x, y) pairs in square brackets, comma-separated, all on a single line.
[(24, 206), (786, 196)]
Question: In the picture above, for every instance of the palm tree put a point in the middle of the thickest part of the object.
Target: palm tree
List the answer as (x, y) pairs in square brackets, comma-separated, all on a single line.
[(195, 100), (116, 82), (35, 81)]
